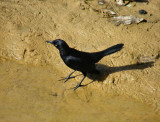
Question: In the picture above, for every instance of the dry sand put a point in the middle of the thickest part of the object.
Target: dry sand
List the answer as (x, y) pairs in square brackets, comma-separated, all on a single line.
[(30, 68)]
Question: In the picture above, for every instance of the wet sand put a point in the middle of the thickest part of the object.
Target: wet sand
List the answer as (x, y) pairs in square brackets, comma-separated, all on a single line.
[(30, 93), (30, 68)]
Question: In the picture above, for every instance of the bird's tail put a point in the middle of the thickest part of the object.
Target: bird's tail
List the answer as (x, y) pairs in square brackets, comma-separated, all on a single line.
[(99, 55), (112, 49)]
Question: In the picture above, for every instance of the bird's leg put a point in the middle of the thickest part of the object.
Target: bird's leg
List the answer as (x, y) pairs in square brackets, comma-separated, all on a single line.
[(80, 83), (68, 77)]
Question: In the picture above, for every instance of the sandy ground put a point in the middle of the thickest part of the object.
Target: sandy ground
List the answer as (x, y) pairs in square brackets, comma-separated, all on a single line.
[(30, 68)]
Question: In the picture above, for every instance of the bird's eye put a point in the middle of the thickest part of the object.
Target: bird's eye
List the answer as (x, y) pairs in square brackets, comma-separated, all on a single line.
[(55, 45)]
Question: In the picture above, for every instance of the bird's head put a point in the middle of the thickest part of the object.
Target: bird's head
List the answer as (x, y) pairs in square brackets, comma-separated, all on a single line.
[(59, 44)]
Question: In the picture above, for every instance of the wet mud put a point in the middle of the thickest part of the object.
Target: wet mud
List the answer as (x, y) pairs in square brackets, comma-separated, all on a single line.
[(31, 93)]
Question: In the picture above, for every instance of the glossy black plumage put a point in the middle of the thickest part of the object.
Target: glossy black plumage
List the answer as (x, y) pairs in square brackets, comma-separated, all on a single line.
[(81, 61)]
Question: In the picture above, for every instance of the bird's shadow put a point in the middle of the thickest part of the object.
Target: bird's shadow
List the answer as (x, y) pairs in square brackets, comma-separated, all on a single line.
[(105, 71)]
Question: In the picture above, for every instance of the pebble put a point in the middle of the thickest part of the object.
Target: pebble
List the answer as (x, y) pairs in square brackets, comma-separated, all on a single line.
[(53, 94), (142, 12)]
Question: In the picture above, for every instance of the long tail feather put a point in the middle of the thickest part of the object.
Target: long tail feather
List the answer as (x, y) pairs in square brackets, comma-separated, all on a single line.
[(99, 55), (113, 49)]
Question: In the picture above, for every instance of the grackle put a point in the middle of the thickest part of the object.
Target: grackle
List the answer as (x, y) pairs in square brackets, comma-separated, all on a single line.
[(81, 61)]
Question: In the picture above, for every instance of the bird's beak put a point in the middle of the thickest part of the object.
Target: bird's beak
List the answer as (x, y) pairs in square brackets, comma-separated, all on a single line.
[(49, 42)]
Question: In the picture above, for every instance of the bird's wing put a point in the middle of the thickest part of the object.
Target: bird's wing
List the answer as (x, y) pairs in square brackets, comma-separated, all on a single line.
[(77, 63), (72, 61)]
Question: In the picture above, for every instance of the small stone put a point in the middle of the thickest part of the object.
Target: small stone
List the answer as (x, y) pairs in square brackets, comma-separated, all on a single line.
[(54, 94), (142, 12)]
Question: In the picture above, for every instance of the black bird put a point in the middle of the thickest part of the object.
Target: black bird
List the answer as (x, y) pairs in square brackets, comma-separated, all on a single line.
[(81, 61)]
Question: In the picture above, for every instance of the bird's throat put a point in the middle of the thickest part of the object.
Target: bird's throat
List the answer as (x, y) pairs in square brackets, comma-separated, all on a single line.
[(64, 52)]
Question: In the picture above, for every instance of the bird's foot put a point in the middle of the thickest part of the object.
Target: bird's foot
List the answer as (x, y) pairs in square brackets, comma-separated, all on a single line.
[(78, 86), (66, 78)]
